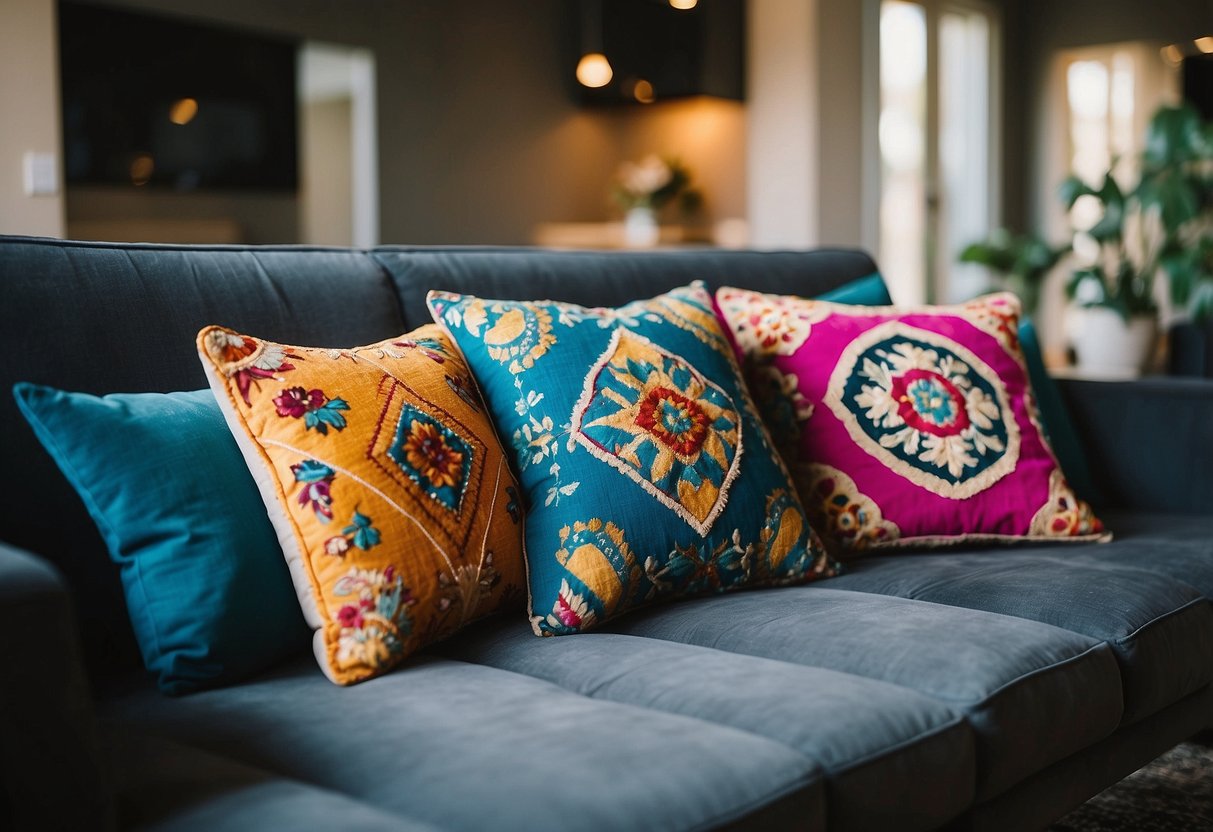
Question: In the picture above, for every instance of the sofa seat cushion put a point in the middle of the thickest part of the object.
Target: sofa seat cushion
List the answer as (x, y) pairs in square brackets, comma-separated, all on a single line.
[(169, 787), (463, 746), (1032, 693), (1160, 629), (873, 739), (1179, 546)]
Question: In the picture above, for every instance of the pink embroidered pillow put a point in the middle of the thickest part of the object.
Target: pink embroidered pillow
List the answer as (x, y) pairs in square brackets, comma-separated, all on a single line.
[(906, 426)]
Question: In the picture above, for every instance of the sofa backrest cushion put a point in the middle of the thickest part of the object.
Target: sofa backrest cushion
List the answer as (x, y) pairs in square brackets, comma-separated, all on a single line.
[(103, 318), (592, 278)]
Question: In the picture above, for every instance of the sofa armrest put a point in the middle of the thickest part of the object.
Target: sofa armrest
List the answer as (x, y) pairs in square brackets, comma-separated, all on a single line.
[(50, 764), (1149, 442)]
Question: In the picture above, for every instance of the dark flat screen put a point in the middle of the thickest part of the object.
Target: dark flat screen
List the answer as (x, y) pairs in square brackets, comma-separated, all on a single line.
[(166, 102)]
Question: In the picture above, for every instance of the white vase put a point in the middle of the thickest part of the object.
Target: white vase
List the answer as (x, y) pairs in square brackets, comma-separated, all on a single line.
[(1108, 346), (640, 229)]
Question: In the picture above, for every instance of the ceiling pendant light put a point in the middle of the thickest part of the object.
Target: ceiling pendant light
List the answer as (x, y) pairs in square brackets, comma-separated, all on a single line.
[(593, 70)]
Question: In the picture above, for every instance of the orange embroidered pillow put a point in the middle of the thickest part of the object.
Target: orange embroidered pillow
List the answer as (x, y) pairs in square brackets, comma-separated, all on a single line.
[(385, 482)]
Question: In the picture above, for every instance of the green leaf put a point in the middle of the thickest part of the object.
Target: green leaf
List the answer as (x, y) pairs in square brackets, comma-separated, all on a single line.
[(999, 258), (1111, 223), (1071, 189), (311, 470), (1201, 303), (1173, 136)]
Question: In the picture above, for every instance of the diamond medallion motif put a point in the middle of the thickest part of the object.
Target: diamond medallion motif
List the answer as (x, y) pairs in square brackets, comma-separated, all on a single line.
[(652, 416)]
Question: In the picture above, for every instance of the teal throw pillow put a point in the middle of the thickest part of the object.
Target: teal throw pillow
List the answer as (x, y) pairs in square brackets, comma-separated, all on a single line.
[(1055, 419), (862, 291), (207, 587), (646, 470)]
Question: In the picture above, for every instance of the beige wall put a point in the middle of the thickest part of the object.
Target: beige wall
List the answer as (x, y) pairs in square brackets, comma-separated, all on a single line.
[(479, 136), (147, 215), (29, 113), (707, 134), (807, 125), (325, 188), (781, 167)]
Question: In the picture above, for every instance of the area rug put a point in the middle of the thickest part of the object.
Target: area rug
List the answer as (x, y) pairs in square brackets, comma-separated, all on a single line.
[(1172, 794)]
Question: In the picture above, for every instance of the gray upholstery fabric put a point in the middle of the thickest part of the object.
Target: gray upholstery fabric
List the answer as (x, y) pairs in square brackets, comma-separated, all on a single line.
[(873, 739), (1033, 693), (1149, 442), (1161, 630), (1179, 546), (461, 746), (124, 318), (1056, 790), (47, 735), (608, 278), (163, 786)]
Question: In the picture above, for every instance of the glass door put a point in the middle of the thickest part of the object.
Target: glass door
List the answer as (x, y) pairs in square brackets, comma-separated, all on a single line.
[(937, 145)]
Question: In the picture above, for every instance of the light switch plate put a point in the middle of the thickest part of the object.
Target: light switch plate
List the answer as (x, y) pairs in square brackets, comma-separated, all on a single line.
[(41, 174)]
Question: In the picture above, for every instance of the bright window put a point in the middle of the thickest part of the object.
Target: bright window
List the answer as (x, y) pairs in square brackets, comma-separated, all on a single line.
[(936, 145)]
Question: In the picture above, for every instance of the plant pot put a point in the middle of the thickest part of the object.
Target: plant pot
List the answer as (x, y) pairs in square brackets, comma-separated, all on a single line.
[(640, 229), (1108, 346)]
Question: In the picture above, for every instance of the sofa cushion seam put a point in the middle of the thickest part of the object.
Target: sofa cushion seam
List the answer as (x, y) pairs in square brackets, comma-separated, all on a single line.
[(1042, 670), (807, 780), (888, 751), (1160, 618)]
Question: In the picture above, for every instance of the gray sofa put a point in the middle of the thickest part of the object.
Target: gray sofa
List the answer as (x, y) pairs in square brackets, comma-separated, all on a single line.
[(961, 688)]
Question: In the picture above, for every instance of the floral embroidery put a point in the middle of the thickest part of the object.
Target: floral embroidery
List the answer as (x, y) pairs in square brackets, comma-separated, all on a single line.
[(467, 587), (359, 533), (318, 411), (596, 554), (998, 315), (790, 548), (428, 452), (461, 386), (766, 325), (1063, 514), (431, 348), (570, 613), (246, 360), (784, 408), (652, 416), (317, 481), (535, 442), (515, 334), (685, 308), (692, 569), (374, 623), (927, 407), (433, 456), (845, 515)]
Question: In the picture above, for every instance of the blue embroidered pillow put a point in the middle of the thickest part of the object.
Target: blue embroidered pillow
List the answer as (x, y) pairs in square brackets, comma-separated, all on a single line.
[(647, 471)]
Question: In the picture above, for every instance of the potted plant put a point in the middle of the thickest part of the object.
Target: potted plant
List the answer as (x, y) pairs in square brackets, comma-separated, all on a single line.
[(643, 188), (1020, 261), (1161, 227)]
